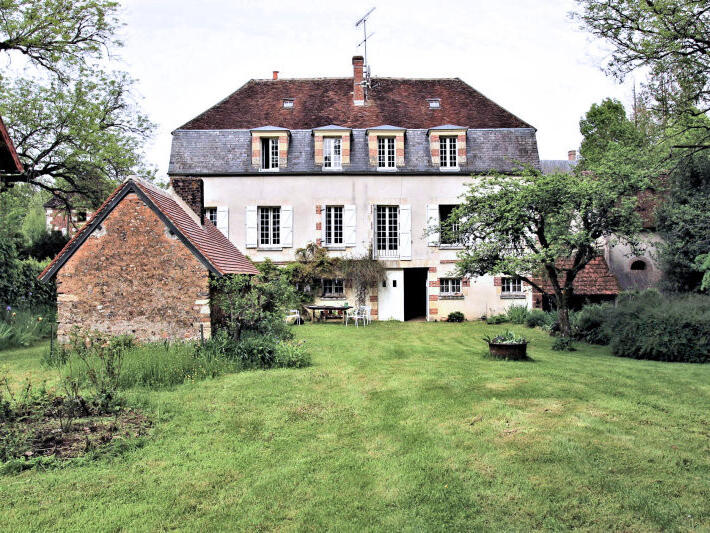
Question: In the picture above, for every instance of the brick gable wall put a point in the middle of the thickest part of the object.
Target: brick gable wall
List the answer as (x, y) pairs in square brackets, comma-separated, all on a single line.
[(132, 276)]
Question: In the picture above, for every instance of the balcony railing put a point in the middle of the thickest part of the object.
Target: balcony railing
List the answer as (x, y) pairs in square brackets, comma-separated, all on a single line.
[(385, 254)]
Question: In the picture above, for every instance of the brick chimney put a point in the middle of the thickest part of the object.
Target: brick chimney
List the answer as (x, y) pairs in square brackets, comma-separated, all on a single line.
[(276, 75), (572, 155), (192, 192), (358, 78)]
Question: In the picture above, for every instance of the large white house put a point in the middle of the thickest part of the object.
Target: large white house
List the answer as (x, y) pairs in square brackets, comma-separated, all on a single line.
[(355, 165)]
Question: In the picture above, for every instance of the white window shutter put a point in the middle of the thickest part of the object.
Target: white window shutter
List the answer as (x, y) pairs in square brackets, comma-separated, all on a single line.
[(323, 217), (251, 227), (223, 220), (432, 221), (349, 225), (286, 226), (405, 232)]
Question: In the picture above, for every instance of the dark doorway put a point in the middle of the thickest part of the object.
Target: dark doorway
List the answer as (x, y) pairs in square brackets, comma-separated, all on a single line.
[(415, 293)]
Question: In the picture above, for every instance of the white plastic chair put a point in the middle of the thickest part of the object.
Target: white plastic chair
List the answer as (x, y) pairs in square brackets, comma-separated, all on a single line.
[(368, 314), (294, 316), (357, 314)]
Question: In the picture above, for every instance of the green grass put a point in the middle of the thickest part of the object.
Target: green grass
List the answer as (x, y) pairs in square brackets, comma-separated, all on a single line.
[(398, 427)]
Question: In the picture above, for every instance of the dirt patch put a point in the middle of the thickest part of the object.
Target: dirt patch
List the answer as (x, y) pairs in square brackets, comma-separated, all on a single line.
[(43, 429)]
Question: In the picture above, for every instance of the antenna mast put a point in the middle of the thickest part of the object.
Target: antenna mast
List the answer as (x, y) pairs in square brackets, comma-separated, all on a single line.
[(363, 21)]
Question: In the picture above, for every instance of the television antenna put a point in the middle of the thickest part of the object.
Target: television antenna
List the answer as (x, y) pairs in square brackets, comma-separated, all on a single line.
[(366, 36)]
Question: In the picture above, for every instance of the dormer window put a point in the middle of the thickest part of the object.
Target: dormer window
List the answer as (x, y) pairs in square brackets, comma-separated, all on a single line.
[(448, 152), (386, 153), (332, 153), (434, 103), (270, 153), (288, 103)]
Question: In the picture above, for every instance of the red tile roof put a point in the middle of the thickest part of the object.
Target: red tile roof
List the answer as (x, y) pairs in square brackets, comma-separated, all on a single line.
[(321, 101), (9, 161), (595, 279), (208, 242)]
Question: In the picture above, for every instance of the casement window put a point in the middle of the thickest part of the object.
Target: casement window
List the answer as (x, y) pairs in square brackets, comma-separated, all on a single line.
[(449, 286), (511, 286), (211, 214), (386, 154), (269, 226), (448, 152), (333, 288), (334, 225), (387, 230), (270, 153), (448, 230), (332, 153)]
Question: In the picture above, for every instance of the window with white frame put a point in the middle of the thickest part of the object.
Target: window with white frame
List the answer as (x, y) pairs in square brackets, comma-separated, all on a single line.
[(333, 288), (386, 154), (270, 153), (332, 154), (387, 230), (211, 214), (447, 152), (334, 225), (450, 286), (511, 286), (269, 226)]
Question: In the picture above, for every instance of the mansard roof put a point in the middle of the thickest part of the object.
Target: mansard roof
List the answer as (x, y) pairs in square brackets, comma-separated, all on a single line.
[(228, 152), (208, 244), (318, 101)]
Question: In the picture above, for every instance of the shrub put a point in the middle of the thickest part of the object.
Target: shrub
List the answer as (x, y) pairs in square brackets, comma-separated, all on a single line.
[(291, 355), (497, 319), (590, 324), (455, 316), (563, 344), (256, 351), (538, 318), (647, 325), (24, 327), (517, 314)]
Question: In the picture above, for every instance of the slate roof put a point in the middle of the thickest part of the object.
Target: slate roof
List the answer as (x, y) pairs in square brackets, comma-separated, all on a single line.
[(319, 101), (595, 279), (9, 161), (208, 244), (228, 152)]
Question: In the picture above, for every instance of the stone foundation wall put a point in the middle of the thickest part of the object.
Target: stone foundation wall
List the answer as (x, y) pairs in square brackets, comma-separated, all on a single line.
[(132, 276)]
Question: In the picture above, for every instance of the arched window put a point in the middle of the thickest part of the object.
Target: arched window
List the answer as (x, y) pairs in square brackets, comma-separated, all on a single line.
[(638, 265)]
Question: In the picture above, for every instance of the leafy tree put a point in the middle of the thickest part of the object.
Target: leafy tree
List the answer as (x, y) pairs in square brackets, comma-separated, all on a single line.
[(254, 304), (56, 35), (537, 225), (312, 265), (75, 126), (670, 38), (683, 221)]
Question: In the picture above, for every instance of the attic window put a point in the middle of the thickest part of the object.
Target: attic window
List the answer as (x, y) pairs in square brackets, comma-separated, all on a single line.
[(288, 103), (434, 103)]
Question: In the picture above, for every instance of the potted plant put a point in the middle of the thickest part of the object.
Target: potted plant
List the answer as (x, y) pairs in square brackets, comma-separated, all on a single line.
[(507, 345)]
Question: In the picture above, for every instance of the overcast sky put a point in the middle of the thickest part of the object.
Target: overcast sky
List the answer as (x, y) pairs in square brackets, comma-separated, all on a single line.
[(526, 55)]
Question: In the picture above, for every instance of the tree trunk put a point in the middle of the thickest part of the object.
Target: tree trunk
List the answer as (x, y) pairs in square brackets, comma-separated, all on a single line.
[(563, 314)]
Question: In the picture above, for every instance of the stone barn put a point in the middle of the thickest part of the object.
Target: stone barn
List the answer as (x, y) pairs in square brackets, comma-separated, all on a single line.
[(141, 266)]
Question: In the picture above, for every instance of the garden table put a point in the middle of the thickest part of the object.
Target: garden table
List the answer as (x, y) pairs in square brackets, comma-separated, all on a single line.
[(327, 309)]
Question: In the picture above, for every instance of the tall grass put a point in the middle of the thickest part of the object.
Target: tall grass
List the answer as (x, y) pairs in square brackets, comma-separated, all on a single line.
[(24, 327), (159, 365)]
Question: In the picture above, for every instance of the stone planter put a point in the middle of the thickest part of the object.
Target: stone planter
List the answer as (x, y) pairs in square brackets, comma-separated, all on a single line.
[(516, 352)]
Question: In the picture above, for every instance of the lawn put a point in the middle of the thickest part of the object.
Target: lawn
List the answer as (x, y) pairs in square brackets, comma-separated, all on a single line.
[(397, 427)]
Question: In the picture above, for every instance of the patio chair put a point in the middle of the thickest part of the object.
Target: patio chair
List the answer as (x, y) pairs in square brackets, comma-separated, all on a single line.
[(357, 313), (368, 314), (293, 317)]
